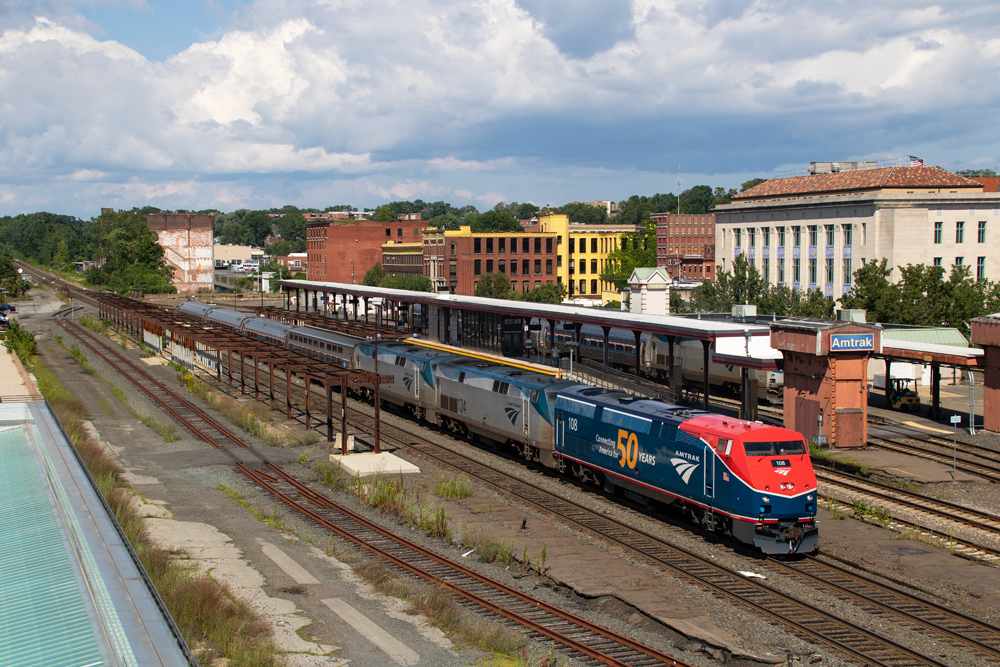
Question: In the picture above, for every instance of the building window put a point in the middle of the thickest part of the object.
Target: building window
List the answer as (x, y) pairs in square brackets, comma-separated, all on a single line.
[(864, 233), (477, 267), (593, 266), (767, 270), (813, 236), (399, 232), (453, 269), (416, 232), (583, 287), (538, 246), (796, 270), (525, 246), (937, 261), (583, 266), (502, 266), (752, 237), (453, 249), (959, 232), (812, 272), (489, 266), (526, 267), (572, 245), (559, 261), (538, 267), (847, 271), (388, 232), (548, 245), (738, 235), (796, 238), (781, 236), (525, 286), (981, 268), (502, 246), (548, 267), (781, 271), (829, 270), (766, 233), (829, 236), (513, 246), (848, 235), (959, 261), (489, 246), (513, 267), (477, 245), (593, 287), (981, 238), (937, 231), (593, 245)]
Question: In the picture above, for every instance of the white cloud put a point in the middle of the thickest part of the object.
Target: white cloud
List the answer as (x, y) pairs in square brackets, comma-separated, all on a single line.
[(422, 98)]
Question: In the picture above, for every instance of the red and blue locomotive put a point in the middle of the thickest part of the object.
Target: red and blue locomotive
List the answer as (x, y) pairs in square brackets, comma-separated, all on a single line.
[(752, 481)]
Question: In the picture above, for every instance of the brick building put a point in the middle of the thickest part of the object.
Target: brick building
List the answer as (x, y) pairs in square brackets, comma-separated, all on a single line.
[(455, 260), (403, 259), (685, 245), (187, 239), (342, 251)]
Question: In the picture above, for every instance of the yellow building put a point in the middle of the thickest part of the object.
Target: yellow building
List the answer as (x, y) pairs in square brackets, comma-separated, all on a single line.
[(583, 254)]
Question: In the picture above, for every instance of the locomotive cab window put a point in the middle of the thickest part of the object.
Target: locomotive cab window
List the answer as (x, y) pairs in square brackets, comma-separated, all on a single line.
[(774, 448)]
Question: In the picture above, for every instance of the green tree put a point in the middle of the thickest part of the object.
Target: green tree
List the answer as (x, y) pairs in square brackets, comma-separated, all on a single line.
[(61, 258), (291, 226), (816, 304), (872, 291), (129, 256), (411, 283), (635, 250), (635, 210), (744, 285), (584, 213), (374, 276), (282, 248), (384, 214), (548, 293), (697, 200), (723, 196), (445, 221), (778, 300), (494, 286), (752, 183), (495, 221), (677, 304)]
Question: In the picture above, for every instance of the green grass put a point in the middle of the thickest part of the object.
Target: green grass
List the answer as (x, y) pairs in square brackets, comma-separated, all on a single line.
[(209, 616), (872, 513), (817, 452), (455, 488), (271, 518)]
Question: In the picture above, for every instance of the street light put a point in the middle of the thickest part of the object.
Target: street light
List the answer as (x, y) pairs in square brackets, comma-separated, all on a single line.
[(377, 301)]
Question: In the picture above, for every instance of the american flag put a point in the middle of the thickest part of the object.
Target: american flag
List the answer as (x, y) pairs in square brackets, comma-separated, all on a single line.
[(915, 161)]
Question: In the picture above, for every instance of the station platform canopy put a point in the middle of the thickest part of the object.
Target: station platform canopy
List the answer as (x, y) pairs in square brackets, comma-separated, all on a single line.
[(697, 329), (755, 354), (920, 352)]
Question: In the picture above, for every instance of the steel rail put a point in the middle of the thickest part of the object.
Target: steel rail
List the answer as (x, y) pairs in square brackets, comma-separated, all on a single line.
[(614, 655), (962, 463)]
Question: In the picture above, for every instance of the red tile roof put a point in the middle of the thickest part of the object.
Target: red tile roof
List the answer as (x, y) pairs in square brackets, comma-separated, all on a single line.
[(990, 183), (869, 179)]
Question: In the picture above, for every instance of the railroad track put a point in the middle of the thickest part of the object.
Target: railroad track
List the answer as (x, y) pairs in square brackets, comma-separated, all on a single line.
[(803, 619), (981, 528), (981, 468), (979, 454), (571, 634)]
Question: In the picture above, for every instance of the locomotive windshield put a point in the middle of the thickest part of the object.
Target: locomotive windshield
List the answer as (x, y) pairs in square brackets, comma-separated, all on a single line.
[(780, 448)]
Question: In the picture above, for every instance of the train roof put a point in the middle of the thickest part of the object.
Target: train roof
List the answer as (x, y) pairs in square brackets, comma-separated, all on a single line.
[(225, 316), (509, 374), (650, 408), (195, 309), (738, 427), (267, 327), (404, 350), (327, 335)]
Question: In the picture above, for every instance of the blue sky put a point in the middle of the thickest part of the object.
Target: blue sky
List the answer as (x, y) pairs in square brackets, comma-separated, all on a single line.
[(229, 103)]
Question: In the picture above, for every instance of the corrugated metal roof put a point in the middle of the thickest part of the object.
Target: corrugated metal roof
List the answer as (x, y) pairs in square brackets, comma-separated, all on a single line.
[(930, 335), (44, 617)]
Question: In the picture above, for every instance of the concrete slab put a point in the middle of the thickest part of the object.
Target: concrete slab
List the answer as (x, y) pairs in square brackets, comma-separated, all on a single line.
[(399, 652), (904, 466), (299, 574), (368, 464)]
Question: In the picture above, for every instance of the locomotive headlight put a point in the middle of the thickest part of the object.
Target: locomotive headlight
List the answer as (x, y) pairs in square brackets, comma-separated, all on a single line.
[(782, 486), (791, 486), (809, 497), (766, 499)]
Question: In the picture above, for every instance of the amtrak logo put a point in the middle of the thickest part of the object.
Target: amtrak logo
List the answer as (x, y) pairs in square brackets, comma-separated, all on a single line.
[(783, 471), (408, 381), (684, 468), (512, 414)]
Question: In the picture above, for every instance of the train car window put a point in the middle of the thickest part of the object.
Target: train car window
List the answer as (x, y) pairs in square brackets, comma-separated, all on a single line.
[(461, 376), (534, 395), (759, 448), (729, 447), (400, 360)]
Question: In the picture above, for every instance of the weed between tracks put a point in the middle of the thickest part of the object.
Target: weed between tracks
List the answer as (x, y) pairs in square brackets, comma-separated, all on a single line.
[(271, 518), (213, 621)]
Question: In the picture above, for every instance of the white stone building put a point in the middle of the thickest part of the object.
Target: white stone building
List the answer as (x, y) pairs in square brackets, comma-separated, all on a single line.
[(813, 232)]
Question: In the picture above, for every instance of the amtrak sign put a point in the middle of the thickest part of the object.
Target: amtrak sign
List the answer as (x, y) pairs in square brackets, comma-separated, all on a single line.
[(852, 342)]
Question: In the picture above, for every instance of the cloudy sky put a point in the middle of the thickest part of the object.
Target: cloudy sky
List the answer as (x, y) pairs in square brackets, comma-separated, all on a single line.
[(229, 104)]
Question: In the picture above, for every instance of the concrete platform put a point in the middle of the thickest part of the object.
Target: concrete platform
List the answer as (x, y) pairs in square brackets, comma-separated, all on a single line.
[(368, 464)]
